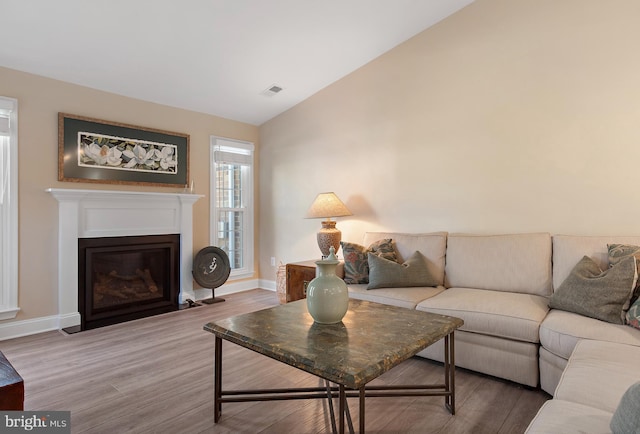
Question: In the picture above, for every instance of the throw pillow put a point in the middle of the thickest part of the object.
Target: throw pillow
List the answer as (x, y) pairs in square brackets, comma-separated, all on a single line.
[(617, 252), (591, 292), (626, 418), (384, 273), (633, 314), (356, 265)]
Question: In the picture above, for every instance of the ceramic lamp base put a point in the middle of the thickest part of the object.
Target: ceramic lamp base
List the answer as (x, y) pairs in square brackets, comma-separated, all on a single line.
[(329, 236)]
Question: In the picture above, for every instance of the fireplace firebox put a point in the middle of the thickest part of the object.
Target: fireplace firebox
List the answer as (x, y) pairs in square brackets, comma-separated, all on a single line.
[(126, 278)]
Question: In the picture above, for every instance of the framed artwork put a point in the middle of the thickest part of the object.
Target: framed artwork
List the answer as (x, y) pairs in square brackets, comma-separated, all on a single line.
[(92, 150)]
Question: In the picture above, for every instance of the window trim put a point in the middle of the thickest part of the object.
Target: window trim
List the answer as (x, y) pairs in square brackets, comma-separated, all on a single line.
[(248, 269), (9, 222)]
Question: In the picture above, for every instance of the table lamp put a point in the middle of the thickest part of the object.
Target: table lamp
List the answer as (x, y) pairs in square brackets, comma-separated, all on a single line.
[(327, 205)]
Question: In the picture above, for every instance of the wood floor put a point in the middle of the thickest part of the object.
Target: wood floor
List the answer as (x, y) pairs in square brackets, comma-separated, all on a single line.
[(155, 375)]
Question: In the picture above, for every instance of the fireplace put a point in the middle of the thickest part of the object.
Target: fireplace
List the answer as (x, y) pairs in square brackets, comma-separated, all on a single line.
[(84, 214), (125, 278)]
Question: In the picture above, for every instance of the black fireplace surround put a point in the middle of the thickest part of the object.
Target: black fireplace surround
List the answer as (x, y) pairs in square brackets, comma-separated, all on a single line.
[(126, 278)]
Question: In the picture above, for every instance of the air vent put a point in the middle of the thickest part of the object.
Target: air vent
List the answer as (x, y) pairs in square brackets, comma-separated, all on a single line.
[(272, 90)]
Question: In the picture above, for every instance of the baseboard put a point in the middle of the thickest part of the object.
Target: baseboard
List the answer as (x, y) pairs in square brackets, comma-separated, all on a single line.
[(267, 284), (16, 329), (233, 287)]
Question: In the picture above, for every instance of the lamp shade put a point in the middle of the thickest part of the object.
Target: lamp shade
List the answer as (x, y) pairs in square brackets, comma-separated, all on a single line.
[(327, 205)]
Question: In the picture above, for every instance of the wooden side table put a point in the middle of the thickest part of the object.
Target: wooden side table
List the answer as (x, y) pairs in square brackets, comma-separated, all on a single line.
[(299, 274)]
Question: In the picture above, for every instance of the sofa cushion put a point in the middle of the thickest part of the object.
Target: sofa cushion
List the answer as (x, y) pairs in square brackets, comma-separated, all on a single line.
[(401, 297), (606, 367), (551, 368), (504, 358), (356, 265), (560, 331), (557, 416), (511, 263), (595, 293), (626, 419), (432, 245), (569, 249), (503, 314), (384, 273)]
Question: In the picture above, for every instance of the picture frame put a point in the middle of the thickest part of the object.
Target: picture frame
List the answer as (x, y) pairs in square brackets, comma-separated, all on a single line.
[(98, 151)]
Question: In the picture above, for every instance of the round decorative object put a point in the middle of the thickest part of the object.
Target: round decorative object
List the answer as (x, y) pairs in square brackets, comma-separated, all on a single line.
[(211, 267), (327, 295)]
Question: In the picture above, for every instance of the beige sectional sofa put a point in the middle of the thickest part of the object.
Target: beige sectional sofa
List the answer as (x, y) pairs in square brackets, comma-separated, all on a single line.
[(500, 286), (560, 330), (596, 376)]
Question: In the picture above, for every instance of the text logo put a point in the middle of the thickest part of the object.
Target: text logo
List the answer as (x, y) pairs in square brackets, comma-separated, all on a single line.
[(41, 422)]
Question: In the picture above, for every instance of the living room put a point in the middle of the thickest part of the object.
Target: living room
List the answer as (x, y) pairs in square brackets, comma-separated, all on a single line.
[(505, 117)]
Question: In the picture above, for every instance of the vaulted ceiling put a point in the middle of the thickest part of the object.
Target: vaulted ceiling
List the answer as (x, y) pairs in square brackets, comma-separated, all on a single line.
[(211, 56)]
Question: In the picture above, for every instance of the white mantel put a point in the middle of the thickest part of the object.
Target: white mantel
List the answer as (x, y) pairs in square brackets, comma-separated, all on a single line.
[(105, 213)]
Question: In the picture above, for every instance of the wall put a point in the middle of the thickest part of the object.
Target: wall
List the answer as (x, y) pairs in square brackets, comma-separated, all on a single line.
[(40, 99), (509, 116)]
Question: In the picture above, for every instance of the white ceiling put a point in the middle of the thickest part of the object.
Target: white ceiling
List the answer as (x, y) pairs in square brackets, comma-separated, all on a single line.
[(210, 56)]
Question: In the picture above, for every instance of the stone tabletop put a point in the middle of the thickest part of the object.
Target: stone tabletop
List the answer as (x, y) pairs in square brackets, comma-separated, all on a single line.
[(371, 339)]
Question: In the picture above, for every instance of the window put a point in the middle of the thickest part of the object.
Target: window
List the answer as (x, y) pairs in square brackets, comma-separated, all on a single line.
[(8, 208), (232, 202)]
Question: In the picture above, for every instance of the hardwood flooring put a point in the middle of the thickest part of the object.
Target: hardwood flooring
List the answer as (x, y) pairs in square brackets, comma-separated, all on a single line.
[(155, 375)]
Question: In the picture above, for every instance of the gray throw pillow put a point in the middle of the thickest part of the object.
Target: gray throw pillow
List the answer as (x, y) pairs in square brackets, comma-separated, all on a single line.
[(626, 419), (384, 273), (591, 292), (617, 252)]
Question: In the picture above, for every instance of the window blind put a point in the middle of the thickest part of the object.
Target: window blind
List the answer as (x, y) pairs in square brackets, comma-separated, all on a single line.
[(231, 158), (4, 124)]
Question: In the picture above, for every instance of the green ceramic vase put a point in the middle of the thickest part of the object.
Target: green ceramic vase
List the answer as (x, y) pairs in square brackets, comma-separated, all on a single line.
[(327, 295)]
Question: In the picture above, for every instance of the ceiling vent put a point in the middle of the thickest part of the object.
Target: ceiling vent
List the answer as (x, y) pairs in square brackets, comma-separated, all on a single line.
[(272, 90)]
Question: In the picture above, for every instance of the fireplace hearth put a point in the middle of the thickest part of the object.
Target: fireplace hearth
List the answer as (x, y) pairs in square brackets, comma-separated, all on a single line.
[(126, 278)]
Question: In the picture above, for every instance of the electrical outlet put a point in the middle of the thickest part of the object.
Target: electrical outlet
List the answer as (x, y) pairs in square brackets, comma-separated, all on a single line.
[(273, 261)]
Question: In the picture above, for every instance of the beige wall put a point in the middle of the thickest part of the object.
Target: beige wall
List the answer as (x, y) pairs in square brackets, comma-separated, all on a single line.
[(40, 100), (509, 116)]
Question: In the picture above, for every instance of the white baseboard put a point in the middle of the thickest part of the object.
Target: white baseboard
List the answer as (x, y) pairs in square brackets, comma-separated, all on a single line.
[(267, 284), (27, 327), (33, 326), (232, 288)]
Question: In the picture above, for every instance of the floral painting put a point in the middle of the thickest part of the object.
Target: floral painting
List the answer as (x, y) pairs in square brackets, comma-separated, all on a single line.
[(93, 150), (109, 152)]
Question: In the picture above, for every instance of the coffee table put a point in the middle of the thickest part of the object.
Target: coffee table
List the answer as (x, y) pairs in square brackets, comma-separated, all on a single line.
[(371, 339)]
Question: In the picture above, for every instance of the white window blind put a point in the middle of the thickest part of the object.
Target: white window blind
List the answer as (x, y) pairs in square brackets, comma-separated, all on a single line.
[(4, 125), (8, 208), (5, 138), (226, 154)]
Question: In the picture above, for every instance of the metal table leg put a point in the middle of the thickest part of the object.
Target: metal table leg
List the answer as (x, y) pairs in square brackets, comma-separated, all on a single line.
[(343, 401), (361, 402), (449, 373), (217, 381), (334, 428)]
